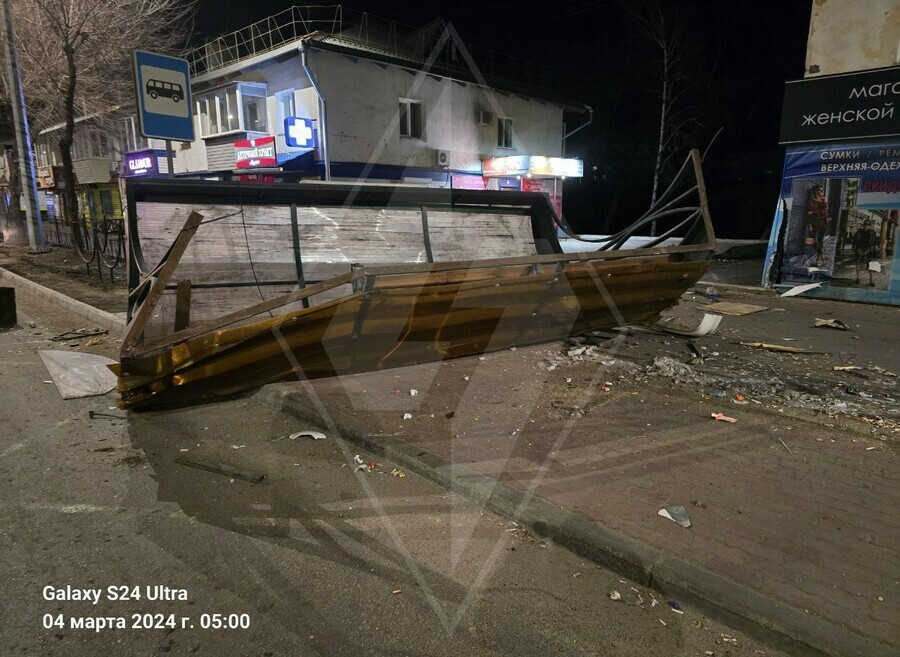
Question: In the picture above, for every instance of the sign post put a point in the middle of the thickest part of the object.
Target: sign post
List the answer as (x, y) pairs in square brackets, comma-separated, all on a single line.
[(163, 97)]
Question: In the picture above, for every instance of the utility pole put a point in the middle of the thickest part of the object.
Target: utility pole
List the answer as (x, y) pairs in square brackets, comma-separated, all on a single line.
[(23, 136)]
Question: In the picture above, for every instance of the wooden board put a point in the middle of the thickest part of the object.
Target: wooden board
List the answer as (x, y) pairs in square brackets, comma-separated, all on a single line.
[(733, 308)]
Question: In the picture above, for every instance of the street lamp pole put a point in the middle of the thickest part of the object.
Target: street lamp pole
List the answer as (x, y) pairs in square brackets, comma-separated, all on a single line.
[(23, 136)]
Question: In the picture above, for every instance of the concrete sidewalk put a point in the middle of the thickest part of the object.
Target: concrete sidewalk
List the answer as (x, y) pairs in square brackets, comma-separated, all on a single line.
[(794, 515)]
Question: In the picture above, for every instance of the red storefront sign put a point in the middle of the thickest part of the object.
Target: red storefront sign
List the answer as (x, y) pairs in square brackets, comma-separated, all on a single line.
[(252, 153), (532, 185)]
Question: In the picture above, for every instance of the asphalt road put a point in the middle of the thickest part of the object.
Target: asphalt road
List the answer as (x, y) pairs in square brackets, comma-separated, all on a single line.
[(318, 559)]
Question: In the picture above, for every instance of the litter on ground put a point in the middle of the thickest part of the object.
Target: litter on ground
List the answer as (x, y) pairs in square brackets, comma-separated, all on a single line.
[(733, 308), (78, 374), (800, 289), (776, 347), (707, 326), (676, 514), (831, 323), (315, 435)]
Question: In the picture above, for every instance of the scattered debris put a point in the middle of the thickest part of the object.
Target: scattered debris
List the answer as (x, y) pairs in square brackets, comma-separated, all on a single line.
[(850, 390), (707, 326), (723, 418), (698, 504), (869, 449), (694, 347), (362, 465), (221, 468), (78, 334), (733, 308), (718, 393), (79, 375), (95, 414), (615, 595), (413, 392), (800, 289), (315, 435), (407, 416), (673, 369), (398, 473), (832, 323), (238, 446), (675, 606), (676, 514), (661, 621), (466, 377), (778, 347), (846, 368), (93, 342), (785, 446), (396, 591), (578, 574)]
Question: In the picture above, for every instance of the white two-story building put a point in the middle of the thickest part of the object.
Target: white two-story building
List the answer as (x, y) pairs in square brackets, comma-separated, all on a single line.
[(330, 95)]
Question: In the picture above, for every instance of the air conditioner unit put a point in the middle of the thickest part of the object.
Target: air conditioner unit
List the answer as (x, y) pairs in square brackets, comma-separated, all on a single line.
[(442, 158), (485, 117)]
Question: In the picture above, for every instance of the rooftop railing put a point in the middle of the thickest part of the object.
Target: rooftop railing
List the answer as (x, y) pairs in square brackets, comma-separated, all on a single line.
[(368, 33)]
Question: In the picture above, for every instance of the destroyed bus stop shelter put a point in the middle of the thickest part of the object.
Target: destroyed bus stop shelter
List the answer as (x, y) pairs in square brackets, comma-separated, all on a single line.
[(232, 286)]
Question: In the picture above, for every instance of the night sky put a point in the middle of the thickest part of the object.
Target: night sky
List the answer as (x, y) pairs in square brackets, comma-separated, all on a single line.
[(738, 55)]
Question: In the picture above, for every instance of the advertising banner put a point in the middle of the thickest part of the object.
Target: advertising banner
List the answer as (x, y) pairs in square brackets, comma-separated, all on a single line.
[(464, 181), (841, 107), (142, 163), (252, 153), (836, 223)]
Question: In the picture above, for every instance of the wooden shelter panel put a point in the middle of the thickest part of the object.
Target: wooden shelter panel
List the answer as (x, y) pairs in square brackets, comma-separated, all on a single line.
[(234, 244), (331, 239), (479, 236)]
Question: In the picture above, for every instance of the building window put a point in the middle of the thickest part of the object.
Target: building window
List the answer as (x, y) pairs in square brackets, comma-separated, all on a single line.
[(106, 202), (239, 107), (412, 118), (504, 133), (285, 102), (43, 154)]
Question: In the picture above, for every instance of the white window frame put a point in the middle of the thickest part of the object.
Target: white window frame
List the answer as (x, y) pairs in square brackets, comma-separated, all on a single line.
[(279, 102), (505, 132), (405, 127), (237, 90)]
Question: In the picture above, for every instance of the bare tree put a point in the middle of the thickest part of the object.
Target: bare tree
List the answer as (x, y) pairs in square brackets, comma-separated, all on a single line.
[(76, 60), (670, 70)]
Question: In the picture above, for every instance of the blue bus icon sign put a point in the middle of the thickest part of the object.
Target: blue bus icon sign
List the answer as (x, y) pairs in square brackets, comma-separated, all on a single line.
[(163, 96)]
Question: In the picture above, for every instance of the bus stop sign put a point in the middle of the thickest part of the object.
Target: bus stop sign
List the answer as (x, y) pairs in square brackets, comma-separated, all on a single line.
[(163, 96)]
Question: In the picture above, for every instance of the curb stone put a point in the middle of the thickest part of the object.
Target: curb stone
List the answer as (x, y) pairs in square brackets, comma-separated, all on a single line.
[(736, 605), (114, 323)]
